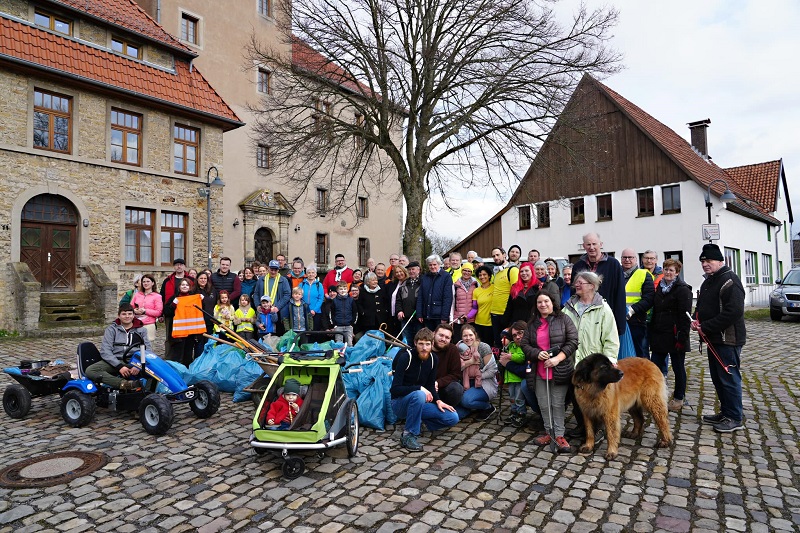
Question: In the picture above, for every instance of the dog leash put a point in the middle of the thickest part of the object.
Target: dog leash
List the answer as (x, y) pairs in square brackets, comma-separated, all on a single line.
[(703, 338)]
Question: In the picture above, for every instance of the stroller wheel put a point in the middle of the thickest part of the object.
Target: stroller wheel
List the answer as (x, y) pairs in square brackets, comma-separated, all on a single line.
[(293, 467), (352, 430)]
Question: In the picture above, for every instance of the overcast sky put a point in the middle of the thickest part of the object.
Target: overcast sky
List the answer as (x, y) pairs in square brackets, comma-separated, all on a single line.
[(733, 61)]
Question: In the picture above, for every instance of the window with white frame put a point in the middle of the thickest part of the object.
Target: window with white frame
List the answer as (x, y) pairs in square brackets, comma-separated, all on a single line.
[(750, 268), (766, 269)]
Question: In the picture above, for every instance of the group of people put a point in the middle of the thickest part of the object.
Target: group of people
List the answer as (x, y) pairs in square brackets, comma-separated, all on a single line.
[(544, 324), (471, 321)]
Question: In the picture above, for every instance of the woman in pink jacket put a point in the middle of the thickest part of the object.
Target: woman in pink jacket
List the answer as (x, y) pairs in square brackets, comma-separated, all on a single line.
[(147, 305), (462, 299)]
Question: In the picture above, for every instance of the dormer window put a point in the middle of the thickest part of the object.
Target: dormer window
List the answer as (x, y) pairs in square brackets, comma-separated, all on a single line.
[(53, 22), (126, 48)]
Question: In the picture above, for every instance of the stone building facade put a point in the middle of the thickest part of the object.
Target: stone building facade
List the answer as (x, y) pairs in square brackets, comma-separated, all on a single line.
[(102, 178)]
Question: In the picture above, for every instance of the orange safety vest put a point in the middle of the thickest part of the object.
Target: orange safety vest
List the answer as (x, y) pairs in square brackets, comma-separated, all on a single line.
[(188, 318)]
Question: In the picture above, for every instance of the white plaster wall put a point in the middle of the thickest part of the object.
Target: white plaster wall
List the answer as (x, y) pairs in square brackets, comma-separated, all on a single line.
[(662, 232)]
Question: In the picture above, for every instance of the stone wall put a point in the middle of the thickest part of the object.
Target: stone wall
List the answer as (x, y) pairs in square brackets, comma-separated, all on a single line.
[(17, 8), (99, 189)]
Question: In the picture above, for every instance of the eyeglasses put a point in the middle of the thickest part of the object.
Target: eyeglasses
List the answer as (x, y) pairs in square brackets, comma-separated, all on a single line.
[(581, 283), (629, 257)]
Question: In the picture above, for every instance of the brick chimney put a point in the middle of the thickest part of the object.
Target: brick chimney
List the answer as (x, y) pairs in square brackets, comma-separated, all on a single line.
[(699, 131)]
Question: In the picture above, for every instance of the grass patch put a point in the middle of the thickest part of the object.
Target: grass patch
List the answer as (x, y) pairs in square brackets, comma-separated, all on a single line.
[(756, 313)]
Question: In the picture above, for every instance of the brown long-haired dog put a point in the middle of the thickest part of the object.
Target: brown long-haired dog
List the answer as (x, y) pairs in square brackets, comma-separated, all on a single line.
[(603, 392)]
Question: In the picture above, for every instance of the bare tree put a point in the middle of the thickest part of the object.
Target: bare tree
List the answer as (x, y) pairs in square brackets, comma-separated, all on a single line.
[(436, 94)]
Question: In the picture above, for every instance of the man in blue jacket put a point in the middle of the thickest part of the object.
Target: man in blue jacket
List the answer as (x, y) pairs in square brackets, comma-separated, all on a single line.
[(435, 297), (278, 289)]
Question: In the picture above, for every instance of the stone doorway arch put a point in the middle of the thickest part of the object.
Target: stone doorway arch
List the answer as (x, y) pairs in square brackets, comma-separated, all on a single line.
[(48, 241)]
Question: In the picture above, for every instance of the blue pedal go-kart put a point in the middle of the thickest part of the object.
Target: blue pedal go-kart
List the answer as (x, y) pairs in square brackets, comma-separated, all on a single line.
[(82, 396)]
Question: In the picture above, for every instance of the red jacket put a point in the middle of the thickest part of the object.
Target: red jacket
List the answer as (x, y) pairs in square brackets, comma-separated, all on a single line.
[(330, 278), (279, 410)]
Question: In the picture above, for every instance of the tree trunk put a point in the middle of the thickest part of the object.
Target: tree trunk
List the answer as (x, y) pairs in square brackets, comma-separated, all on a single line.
[(415, 196)]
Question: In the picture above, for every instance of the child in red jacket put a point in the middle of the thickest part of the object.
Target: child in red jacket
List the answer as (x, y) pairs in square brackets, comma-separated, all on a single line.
[(284, 410)]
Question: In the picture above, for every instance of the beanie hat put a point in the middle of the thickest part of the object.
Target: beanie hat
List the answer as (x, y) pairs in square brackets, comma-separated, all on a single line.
[(711, 251), (291, 386)]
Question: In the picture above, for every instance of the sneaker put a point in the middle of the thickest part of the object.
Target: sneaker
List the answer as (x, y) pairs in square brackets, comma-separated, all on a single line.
[(516, 420), (563, 445), (578, 433), (535, 422), (675, 405), (542, 440), (713, 419), (486, 414), (599, 436), (409, 442), (728, 426), (130, 385)]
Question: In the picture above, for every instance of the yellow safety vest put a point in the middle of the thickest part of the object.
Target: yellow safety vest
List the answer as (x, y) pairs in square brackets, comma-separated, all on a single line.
[(633, 288)]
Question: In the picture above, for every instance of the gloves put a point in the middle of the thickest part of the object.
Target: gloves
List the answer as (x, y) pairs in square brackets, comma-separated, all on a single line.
[(630, 312), (175, 301), (680, 347)]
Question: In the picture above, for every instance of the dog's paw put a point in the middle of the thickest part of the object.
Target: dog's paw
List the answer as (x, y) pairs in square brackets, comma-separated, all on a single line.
[(585, 449), (610, 456), (631, 435), (663, 443)]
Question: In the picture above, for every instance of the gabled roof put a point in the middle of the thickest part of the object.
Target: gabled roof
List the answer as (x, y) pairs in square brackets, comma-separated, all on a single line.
[(126, 14), (308, 60), (761, 180), (703, 171), (185, 88)]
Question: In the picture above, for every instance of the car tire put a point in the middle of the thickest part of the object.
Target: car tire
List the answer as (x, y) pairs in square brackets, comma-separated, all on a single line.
[(16, 401), (206, 399), (77, 408), (775, 315), (156, 414)]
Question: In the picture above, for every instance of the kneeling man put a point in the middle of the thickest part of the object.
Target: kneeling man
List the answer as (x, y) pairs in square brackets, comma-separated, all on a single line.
[(414, 395)]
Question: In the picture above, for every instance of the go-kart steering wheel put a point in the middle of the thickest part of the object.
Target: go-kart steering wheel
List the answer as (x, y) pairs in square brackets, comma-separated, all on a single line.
[(135, 341)]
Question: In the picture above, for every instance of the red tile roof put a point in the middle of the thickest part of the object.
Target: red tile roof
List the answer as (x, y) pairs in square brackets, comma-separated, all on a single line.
[(312, 62), (674, 146), (761, 180), (126, 14), (187, 89)]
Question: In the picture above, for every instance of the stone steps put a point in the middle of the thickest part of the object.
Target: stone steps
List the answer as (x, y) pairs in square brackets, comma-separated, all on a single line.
[(68, 309)]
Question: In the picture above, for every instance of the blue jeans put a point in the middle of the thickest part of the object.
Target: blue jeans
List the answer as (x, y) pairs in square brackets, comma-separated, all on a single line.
[(474, 399), (416, 410), (530, 397), (639, 337), (728, 386)]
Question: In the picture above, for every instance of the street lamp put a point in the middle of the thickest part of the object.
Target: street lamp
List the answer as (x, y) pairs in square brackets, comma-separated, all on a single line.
[(726, 197), (205, 192)]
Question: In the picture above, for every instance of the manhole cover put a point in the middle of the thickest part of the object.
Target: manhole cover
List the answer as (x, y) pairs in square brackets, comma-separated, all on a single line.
[(51, 469)]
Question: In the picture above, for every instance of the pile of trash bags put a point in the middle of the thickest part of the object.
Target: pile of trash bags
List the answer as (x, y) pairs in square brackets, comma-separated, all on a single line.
[(371, 388)]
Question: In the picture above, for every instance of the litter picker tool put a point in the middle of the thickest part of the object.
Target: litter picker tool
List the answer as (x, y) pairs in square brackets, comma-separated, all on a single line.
[(710, 348)]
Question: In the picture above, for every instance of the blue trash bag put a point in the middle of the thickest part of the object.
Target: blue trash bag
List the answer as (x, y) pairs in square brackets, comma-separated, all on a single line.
[(249, 372), (626, 347), (219, 364), (371, 388), (287, 342), (327, 345)]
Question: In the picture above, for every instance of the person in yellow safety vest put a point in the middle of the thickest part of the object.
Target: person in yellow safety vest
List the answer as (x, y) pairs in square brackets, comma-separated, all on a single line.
[(455, 266), (505, 275), (639, 294), (650, 262)]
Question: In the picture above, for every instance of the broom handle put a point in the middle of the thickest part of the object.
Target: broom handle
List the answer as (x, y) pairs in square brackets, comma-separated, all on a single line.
[(221, 341)]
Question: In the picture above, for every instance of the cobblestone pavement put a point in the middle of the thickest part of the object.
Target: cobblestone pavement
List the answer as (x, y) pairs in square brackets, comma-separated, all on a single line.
[(203, 476)]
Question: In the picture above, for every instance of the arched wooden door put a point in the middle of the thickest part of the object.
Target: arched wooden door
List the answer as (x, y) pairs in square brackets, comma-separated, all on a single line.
[(48, 237), (264, 242)]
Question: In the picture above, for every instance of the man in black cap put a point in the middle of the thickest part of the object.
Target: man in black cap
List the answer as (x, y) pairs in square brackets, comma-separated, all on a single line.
[(719, 319), (168, 291)]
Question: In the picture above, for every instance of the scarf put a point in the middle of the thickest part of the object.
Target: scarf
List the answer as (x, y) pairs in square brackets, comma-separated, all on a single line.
[(339, 272), (372, 291), (401, 287), (666, 287)]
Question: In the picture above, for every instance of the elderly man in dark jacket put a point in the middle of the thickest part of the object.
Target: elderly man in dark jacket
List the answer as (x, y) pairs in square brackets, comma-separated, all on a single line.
[(435, 296), (613, 286), (719, 317)]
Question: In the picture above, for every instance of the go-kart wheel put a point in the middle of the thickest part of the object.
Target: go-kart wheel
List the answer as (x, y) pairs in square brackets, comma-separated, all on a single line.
[(16, 401), (206, 399), (156, 414), (352, 430), (293, 467), (77, 408)]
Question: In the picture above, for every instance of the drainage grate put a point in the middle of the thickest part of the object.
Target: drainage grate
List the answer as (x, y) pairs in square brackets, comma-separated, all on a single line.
[(51, 469)]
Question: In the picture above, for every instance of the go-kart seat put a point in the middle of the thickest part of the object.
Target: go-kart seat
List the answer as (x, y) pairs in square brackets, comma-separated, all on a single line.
[(88, 354)]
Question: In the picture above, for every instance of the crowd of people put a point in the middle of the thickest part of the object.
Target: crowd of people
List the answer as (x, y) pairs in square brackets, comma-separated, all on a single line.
[(473, 324)]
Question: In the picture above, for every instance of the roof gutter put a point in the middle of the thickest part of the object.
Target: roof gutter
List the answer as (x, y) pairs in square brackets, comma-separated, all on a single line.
[(35, 66)]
